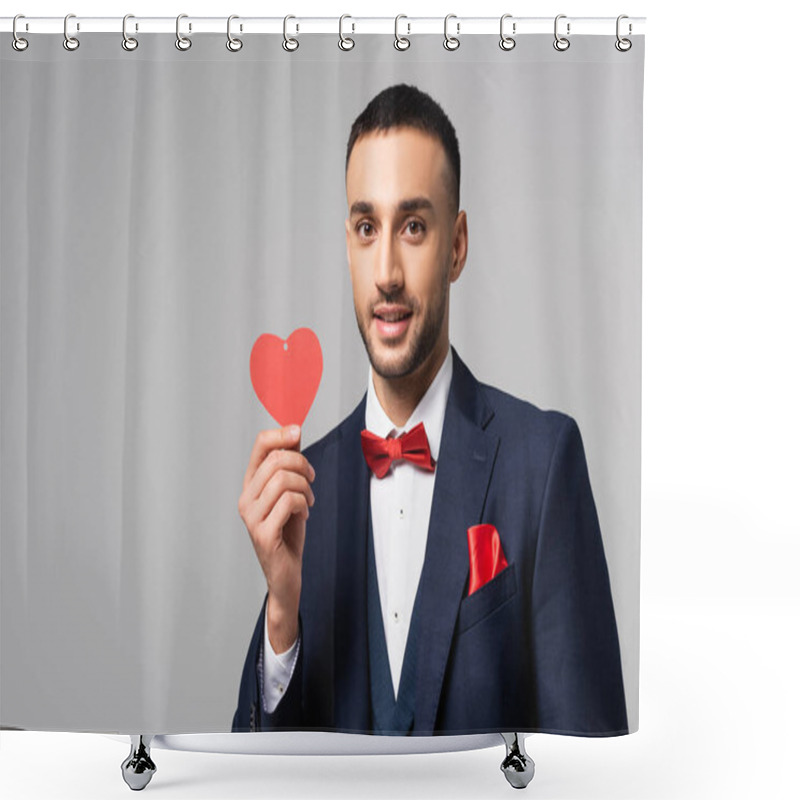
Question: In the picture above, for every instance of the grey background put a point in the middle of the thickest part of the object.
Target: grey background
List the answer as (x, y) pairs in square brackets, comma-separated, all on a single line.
[(160, 210)]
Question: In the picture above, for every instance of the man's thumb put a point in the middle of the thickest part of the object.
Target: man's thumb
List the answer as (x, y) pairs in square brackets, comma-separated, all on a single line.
[(291, 437)]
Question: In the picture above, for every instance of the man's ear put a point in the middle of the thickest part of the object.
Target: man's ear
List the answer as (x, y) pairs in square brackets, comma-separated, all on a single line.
[(460, 245)]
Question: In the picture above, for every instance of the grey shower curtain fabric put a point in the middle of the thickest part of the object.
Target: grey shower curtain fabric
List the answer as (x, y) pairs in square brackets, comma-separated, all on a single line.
[(321, 385)]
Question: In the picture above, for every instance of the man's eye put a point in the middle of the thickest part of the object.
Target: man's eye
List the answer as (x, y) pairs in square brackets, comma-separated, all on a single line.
[(415, 227), (364, 228)]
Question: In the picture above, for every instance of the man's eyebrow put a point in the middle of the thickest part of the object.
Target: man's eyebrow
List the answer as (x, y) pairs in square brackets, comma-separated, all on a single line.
[(415, 204), (412, 204), (361, 207)]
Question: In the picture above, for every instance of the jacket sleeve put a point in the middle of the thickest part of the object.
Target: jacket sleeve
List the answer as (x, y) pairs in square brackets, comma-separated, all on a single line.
[(250, 713), (579, 687)]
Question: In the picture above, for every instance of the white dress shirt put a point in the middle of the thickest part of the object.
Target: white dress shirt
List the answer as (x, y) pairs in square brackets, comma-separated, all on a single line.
[(400, 504)]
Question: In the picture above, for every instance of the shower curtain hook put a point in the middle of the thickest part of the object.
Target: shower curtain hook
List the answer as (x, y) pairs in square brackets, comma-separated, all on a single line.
[(18, 43), (507, 42), (400, 42), (451, 42), (129, 43), (345, 42), (181, 42), (622, 44), (70, 42), (233, 44), (290, 44), (561, 43)]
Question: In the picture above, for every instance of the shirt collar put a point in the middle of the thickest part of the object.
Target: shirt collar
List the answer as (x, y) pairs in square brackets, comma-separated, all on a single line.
[(430, 409)]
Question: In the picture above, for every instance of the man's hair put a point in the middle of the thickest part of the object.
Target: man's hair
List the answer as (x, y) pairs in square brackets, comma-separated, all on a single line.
[(403, 105)]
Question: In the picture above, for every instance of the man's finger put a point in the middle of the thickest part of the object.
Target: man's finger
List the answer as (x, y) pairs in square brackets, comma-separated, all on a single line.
[(287, 437), (274, 462), (284, 481), (289, 503)]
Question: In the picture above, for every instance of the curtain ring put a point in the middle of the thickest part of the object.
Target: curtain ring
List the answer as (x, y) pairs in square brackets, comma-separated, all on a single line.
[(400, 42), (18, 43), (129, 43), (345, 42), (622, 44), (507, 42), (290, 44), (181, 42), (561, 43), (70, 42), (233, 44), (451, 42)]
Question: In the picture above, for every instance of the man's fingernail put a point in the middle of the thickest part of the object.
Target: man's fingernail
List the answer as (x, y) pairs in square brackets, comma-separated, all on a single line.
[(294, 431)]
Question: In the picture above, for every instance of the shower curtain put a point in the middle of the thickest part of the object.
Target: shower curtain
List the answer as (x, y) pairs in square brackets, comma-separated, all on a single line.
[(199, 245)]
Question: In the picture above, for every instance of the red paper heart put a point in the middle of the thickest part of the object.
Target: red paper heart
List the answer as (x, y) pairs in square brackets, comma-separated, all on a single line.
[(286, 374)]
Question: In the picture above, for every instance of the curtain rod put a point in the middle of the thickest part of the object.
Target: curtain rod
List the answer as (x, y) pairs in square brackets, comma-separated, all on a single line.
[(514, 26)]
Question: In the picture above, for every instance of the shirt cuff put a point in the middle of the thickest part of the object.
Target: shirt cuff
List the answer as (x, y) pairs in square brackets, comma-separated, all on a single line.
[(278, 669)]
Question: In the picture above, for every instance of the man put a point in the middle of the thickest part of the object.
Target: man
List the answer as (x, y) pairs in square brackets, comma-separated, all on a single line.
[(375, 618)]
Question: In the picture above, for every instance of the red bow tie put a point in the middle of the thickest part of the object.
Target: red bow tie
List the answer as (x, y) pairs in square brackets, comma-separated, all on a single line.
[(412, 446)]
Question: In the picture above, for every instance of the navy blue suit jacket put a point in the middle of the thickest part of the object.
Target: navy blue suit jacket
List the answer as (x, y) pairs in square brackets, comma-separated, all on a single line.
[(534, 649)]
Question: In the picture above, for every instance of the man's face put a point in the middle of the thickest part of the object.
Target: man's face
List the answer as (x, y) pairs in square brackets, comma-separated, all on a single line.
[(400, 247)]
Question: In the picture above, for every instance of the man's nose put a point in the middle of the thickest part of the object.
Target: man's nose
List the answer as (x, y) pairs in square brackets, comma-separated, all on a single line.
[(389, 267)]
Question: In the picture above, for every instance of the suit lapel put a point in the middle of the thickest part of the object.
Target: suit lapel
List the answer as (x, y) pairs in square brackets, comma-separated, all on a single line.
[(466, 459), (351, 676)]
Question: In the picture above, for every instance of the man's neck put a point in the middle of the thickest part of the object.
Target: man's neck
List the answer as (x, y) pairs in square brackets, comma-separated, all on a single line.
[(400, 396)]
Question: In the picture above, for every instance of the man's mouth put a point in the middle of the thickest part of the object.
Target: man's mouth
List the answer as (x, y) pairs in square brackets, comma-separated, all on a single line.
[(391, 321), (391, 312), (396, 317)]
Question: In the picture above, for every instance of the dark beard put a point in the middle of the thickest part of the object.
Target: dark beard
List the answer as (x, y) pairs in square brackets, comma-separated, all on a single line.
[(422, 347)]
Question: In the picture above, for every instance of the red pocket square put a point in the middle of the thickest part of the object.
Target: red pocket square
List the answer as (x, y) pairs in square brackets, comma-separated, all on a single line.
[(486, 556)]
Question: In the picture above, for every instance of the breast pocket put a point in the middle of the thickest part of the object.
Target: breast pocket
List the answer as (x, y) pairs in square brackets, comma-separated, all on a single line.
[(486, 600)]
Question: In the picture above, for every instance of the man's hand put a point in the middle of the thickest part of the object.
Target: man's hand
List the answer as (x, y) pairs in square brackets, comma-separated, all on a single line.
[(274, 504)]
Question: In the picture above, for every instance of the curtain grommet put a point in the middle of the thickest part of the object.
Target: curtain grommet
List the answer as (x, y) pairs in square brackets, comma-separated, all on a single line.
[(561, 43), (290, 44), (183, 43), (129, 43), (346, 43), (17, 42), (451, 42), (507, 42), (70, 43), (401, 42), (233, 44)]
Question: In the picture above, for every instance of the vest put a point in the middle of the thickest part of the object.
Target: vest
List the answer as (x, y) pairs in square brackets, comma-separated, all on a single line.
[(389, 716)]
